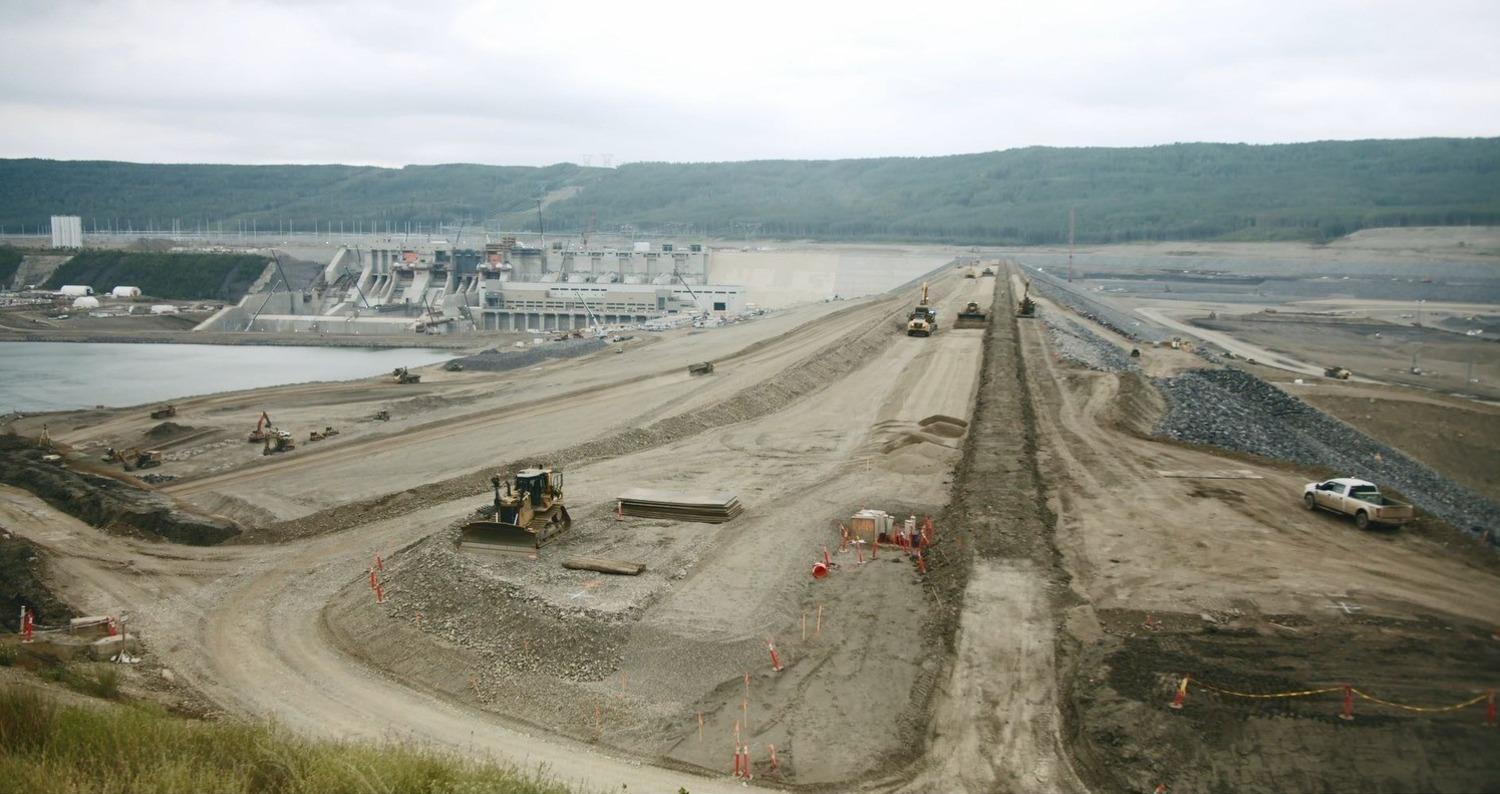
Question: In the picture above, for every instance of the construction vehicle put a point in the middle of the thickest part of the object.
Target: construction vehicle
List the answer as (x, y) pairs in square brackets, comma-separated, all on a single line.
[(527, 516), (973, 273), (987, 271), (319, 435), (133, 458), (382, 416), (1358, 498), (923, 320), (278, 441), (402, 376), (970, 317), (453, 366), (1027, 308), (262, 428), (164, 412), (701, 368), (1337, 373)]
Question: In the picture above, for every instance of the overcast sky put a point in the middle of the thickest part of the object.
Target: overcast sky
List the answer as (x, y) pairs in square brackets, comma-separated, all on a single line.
[(391, 83)]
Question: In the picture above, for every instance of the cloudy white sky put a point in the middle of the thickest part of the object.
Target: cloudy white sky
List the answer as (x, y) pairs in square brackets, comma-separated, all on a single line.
[(390, 83)]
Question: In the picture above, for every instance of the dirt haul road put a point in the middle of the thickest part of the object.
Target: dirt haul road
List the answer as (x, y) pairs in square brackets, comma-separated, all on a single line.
[(1230, 579), (696, 623), (597, 396), (253, 638)]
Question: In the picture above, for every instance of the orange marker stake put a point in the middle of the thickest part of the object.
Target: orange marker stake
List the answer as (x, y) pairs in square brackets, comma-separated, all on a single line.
[(1181, 695), (700, 727), (804, 625), (818, 632)]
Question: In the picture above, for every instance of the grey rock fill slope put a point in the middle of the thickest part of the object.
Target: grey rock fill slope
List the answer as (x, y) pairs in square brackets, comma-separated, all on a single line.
[(1235, 410)]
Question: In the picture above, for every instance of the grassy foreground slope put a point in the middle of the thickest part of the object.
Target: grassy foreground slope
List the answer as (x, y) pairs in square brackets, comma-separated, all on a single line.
[(1306, 191), (48, 748)]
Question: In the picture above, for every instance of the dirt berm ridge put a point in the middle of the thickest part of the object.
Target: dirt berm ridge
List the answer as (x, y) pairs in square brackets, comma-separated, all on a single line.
[(107, 503)]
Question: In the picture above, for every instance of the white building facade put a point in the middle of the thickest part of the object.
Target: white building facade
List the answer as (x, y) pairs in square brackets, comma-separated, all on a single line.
[(67, 231)]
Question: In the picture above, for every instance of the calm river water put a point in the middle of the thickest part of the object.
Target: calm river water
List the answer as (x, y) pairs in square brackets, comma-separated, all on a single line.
[(49, 376)]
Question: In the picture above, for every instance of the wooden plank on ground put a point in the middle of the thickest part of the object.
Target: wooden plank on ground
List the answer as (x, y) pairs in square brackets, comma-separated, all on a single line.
[(603, 565)]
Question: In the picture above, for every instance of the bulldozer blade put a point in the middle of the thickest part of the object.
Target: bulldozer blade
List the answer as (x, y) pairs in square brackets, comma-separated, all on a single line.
[(496, 536), (970, 321), (503, 537)]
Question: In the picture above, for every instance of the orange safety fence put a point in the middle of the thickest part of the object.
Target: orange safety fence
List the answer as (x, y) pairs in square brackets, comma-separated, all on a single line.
[(1487, 697)]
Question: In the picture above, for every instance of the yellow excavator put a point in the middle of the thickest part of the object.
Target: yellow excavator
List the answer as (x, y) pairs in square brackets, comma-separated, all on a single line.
[(527, 516), (1027, 307), (923, 320)]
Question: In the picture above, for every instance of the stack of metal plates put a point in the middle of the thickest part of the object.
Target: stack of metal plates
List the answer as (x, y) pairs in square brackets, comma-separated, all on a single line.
[(705, 508)]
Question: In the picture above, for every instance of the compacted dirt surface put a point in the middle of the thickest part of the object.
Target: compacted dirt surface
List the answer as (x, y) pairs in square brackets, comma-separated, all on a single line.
[(1081, 567)]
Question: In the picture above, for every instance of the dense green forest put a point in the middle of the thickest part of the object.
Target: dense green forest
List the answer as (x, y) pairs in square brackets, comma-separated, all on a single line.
[(1309, 191), (10, 262), (178, 276)]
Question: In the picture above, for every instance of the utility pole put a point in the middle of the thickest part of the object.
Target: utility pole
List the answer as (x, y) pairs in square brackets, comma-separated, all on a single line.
[(541, 229), (1072, 219)]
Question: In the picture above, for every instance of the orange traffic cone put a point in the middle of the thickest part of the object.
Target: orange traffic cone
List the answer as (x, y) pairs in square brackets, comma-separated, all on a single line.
[(775, 659)]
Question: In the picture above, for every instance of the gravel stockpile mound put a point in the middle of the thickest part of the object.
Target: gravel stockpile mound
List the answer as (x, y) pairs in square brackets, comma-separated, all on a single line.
[(500, 360), (1235, 410), (1077, 343), (467, 602)]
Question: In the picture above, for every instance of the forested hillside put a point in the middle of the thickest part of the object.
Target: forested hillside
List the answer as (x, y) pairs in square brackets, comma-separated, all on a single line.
[(1180, 191), (178, 276)]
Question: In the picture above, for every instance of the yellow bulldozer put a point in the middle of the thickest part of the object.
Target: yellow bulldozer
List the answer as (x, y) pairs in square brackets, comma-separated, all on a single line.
[(923, 320), (527, 516), (971, 317)]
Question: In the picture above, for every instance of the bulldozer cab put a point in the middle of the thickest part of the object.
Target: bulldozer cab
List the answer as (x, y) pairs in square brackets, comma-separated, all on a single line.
[(527, 515), (536, 485)]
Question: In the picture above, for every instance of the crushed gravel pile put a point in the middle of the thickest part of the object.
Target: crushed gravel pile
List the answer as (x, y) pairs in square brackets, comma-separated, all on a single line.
[(502, 360), (1235, 410), (467, 602), (1077, 343)]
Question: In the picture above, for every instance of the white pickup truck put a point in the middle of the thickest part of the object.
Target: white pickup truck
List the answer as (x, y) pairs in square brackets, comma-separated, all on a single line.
[(1357, 498)]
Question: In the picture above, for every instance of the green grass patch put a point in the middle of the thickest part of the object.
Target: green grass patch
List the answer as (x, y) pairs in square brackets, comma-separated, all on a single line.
[(10, 261), (97, 680), (46, 748)]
